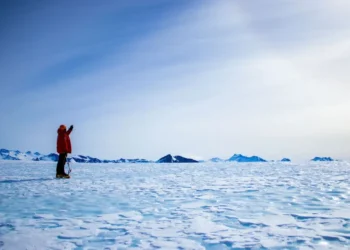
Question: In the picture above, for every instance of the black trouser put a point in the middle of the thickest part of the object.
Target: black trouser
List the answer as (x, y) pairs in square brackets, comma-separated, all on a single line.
[(61, 162)]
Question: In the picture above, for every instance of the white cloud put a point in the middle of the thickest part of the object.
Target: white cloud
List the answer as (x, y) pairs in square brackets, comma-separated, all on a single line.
[(212, 83)]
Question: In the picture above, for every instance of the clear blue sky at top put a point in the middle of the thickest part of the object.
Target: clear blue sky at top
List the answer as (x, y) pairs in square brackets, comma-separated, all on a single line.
[(88, 30)]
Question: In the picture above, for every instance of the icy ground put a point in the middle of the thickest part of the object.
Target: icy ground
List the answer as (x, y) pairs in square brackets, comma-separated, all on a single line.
[(177, 206)]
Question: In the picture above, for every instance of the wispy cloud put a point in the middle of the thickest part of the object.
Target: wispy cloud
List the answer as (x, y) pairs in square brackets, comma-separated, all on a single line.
[(214, 78)]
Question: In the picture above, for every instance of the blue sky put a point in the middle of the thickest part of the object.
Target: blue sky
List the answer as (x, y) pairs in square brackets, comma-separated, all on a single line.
[(197, 78)]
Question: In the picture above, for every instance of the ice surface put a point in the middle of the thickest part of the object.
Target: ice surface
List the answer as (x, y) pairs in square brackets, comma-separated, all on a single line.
[(175, 206)]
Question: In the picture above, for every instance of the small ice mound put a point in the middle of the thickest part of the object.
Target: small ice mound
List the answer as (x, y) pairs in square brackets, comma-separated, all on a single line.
[(251, 224), (131, 215), (202, 225)]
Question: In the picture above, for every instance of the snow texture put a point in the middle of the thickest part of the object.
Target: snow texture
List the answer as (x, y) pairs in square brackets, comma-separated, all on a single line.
[(175, 206)]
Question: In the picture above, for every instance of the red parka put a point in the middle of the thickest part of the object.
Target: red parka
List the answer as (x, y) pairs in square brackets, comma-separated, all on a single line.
[(63, 140)]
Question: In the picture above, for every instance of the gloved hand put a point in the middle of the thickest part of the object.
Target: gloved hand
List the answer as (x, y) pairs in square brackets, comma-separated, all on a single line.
[(71, 127)]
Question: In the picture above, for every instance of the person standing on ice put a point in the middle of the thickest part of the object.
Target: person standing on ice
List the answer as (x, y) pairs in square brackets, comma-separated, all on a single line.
[(64, 148)]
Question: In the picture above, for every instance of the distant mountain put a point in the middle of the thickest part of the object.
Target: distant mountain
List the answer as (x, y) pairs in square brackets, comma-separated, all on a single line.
[(84, 159), (216, 159), (177, 159), (16, 155), (132, 161), (9, 157), (122, 160), (4, 151), (167, 159), (88, 159), (184, 160), (286, 160), (322, 159), (49, 157), (138, 161), (242, 158), (6, 154)]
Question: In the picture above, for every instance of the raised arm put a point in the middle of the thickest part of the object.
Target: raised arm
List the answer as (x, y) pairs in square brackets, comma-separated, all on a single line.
[(70, 129)]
